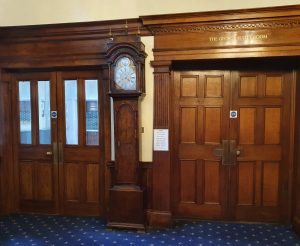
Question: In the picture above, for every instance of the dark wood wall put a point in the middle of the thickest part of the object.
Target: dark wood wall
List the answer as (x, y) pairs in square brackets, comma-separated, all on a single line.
[(61, 45), (7, 192), (210, 36), (1, 151), (296, 181)]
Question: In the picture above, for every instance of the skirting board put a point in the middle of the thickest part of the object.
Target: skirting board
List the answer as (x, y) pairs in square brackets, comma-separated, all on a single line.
[(296, 225), (159, 219)]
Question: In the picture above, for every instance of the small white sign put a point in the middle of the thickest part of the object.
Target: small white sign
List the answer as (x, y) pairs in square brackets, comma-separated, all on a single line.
[(161, 140), (233, 114)]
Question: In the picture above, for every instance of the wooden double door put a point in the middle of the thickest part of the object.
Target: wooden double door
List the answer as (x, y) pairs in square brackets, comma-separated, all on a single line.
[(232, 151), (58, 142)]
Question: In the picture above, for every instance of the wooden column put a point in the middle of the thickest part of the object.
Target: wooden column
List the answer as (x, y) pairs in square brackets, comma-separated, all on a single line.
[(1, 149), (160, 214), (296, 181), (7, 191)]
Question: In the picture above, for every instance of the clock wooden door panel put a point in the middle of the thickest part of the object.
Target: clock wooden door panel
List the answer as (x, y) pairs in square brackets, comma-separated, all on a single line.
[(252, 182), (59, 157), (126, 116)]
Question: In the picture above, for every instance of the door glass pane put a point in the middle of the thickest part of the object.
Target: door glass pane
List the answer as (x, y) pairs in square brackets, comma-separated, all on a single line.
[(44, 112), (92, 112), (71, 111), (25, 112)]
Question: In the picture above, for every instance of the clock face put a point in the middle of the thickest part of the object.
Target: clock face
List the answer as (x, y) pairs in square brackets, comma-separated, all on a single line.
[(125, 74)]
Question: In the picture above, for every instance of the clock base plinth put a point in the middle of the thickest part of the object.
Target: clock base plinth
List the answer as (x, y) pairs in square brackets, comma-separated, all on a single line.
[(126, 207)]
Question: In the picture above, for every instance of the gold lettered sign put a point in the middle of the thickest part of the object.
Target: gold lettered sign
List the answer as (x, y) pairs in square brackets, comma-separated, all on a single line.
[(239, 38)]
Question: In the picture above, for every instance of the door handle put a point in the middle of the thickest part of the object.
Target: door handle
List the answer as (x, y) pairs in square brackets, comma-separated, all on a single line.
[(223, 152), (228, 152), (49, 153), (233, 152)]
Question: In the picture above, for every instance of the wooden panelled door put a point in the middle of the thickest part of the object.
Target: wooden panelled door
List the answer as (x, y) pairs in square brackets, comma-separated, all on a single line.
[(232, 145), (58, 142)]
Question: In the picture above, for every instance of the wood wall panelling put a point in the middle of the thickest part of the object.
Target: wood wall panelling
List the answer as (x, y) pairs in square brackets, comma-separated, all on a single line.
[(7, 192), (160, 214), (296, 181), (1, 152), (225, 34), (61, 45)]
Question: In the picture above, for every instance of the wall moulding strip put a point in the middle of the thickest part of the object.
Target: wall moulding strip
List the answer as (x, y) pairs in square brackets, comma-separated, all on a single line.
[(72, 31)]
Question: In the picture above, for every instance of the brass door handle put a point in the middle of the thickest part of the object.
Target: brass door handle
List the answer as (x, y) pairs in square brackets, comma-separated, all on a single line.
[(238, 152), (49, 153)]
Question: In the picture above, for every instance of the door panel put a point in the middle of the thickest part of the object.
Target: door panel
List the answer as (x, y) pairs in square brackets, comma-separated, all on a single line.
[(255, 186), (36, 136), (79, 137), (262, 133), (201, 102)]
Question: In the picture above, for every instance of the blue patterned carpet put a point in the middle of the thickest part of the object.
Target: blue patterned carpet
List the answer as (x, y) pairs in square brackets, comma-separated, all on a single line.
[(58, 230)]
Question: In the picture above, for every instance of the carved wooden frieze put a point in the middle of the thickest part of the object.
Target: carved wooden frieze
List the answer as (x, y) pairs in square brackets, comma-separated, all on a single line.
[(200, 27)]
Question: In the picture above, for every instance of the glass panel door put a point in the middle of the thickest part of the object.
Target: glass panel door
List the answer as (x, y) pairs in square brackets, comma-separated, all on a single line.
[(37, 142), (80, 148), (58, 142)]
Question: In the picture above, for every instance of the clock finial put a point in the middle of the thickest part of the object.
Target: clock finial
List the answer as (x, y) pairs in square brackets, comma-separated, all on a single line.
[(126, 27), (110, 34)]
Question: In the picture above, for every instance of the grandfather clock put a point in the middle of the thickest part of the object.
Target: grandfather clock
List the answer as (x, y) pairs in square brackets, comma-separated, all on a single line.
[(126, 59)]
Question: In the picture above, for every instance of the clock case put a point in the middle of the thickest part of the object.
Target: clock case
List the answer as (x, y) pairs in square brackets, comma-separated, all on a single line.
[(126, 195)]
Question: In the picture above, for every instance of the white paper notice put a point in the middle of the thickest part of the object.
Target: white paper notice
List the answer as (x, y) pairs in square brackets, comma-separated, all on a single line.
[(161, 140)]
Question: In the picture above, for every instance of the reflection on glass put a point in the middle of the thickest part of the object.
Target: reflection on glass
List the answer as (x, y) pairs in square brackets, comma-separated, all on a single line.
[(25, 112), (92, 112), (71, 111), (44, 112)]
